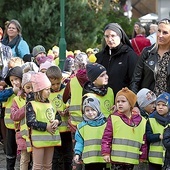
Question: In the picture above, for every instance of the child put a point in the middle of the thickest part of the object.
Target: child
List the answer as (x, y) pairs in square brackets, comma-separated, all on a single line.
[(88, 145), (43, 123), (97, 87), (123, 141), (62, 154), (154, 131), (13, 78), (146, 102), (18, 114)]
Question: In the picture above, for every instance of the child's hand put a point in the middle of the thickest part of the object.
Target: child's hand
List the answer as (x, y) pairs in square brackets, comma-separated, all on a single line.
[(161, 137), (50, 129), (54, 123), (106, 158), (76, 159), (15, 89)]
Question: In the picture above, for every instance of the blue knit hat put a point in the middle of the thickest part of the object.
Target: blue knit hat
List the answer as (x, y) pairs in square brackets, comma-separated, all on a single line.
[(164, 97)]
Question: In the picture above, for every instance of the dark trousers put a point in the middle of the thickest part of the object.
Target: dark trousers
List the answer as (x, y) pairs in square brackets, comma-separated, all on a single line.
[(63, 155), (122, 167), (11, 149), (93, 166), (155, 166)]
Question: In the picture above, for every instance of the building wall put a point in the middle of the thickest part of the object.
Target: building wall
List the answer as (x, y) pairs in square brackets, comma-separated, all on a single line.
[(163, 9)]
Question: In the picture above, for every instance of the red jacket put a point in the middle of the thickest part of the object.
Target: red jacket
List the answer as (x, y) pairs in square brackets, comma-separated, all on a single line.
[(109, 131), (139, 43)]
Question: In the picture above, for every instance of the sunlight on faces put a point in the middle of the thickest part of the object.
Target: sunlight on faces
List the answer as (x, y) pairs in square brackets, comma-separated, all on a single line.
[(90, 113), (102, 79), (111, 38), (162, 108), (163, 34), (123, 104), (28, 87), (15, 81)]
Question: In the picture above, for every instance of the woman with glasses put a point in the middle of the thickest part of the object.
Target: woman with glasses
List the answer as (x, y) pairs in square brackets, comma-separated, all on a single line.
[(153, 68), (13, 39), (118, 57)]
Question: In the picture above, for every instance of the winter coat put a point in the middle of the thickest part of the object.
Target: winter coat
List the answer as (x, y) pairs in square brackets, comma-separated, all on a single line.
[(5, 94), (109, 131), (146, 69), (119, 63)]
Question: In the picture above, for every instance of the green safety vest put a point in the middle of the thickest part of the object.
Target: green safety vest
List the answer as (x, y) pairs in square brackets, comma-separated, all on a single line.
[(92, 143), (76, 101), (56, 99), (156, 150), (24, 130), (44, 113), (127, 141), (106, 102), (9, 123)]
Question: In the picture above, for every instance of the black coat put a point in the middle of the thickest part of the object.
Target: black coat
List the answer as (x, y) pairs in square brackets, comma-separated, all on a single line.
[(119, 64), (145, 71)]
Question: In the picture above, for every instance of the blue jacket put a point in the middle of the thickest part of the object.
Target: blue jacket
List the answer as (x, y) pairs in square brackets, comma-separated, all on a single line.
[(23, 49), (79, 146), (5, 94)]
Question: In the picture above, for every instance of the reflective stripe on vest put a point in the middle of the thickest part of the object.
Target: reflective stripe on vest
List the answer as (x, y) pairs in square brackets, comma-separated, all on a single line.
[(156, 150), (127, 140), (106, 101), (92, 143), (44, 113), (56, 99), (76, 101), (9, 123)]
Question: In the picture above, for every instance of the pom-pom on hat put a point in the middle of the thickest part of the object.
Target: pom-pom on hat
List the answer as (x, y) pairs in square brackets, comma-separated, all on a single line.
[(94, 70), (40, 81), (37, 50), (145, 97), (15, 71), (46, 65), (26, 78), (130, 95), (164, 97)]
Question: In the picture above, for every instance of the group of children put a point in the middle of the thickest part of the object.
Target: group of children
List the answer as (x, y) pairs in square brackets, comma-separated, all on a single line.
[(39, 117)]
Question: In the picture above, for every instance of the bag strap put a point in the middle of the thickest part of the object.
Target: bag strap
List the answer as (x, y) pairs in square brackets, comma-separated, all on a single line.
[(137, 46)]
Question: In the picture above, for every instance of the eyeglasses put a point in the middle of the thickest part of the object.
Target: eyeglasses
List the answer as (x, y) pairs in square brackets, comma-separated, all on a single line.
[(110, 36), (165, 21)]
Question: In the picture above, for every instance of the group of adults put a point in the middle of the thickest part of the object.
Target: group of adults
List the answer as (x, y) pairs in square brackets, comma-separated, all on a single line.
[(126, 69)]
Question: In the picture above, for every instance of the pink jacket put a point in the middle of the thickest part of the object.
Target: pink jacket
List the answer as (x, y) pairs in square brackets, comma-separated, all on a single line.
[(17, 115), (109, 131)]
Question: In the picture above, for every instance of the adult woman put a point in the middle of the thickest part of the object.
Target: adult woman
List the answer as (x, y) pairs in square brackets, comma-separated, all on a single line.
[(117, 57), (152, 70), (137, 25), (14, 39)]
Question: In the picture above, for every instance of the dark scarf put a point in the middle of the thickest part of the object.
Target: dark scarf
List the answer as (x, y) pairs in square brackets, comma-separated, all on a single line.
[(101, 91), (12, 43), (160, 119)]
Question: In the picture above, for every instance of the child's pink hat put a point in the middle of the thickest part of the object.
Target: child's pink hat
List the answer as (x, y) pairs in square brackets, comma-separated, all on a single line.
[(40, 81)]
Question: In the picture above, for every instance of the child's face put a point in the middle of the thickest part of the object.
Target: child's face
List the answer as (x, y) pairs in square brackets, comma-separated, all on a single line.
[(28, 88), (102, 79), (123, 104), (162, 108), (150, 107), (55, 84), (15, 81), (90, 113), (46, 93)]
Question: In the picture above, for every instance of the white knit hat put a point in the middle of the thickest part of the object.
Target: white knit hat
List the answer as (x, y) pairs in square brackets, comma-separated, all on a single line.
[(145, 97)]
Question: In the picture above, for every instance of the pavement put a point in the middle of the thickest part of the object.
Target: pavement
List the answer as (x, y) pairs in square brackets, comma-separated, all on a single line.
[(3, 160)]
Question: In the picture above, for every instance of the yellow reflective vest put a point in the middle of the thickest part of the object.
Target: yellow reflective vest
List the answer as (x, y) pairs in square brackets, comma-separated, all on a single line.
[(56, 98), (156, 150), (106, 102), (92, 143), (127, 141), (24, 130), (44, 113), (76, 101), (9, 123)]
